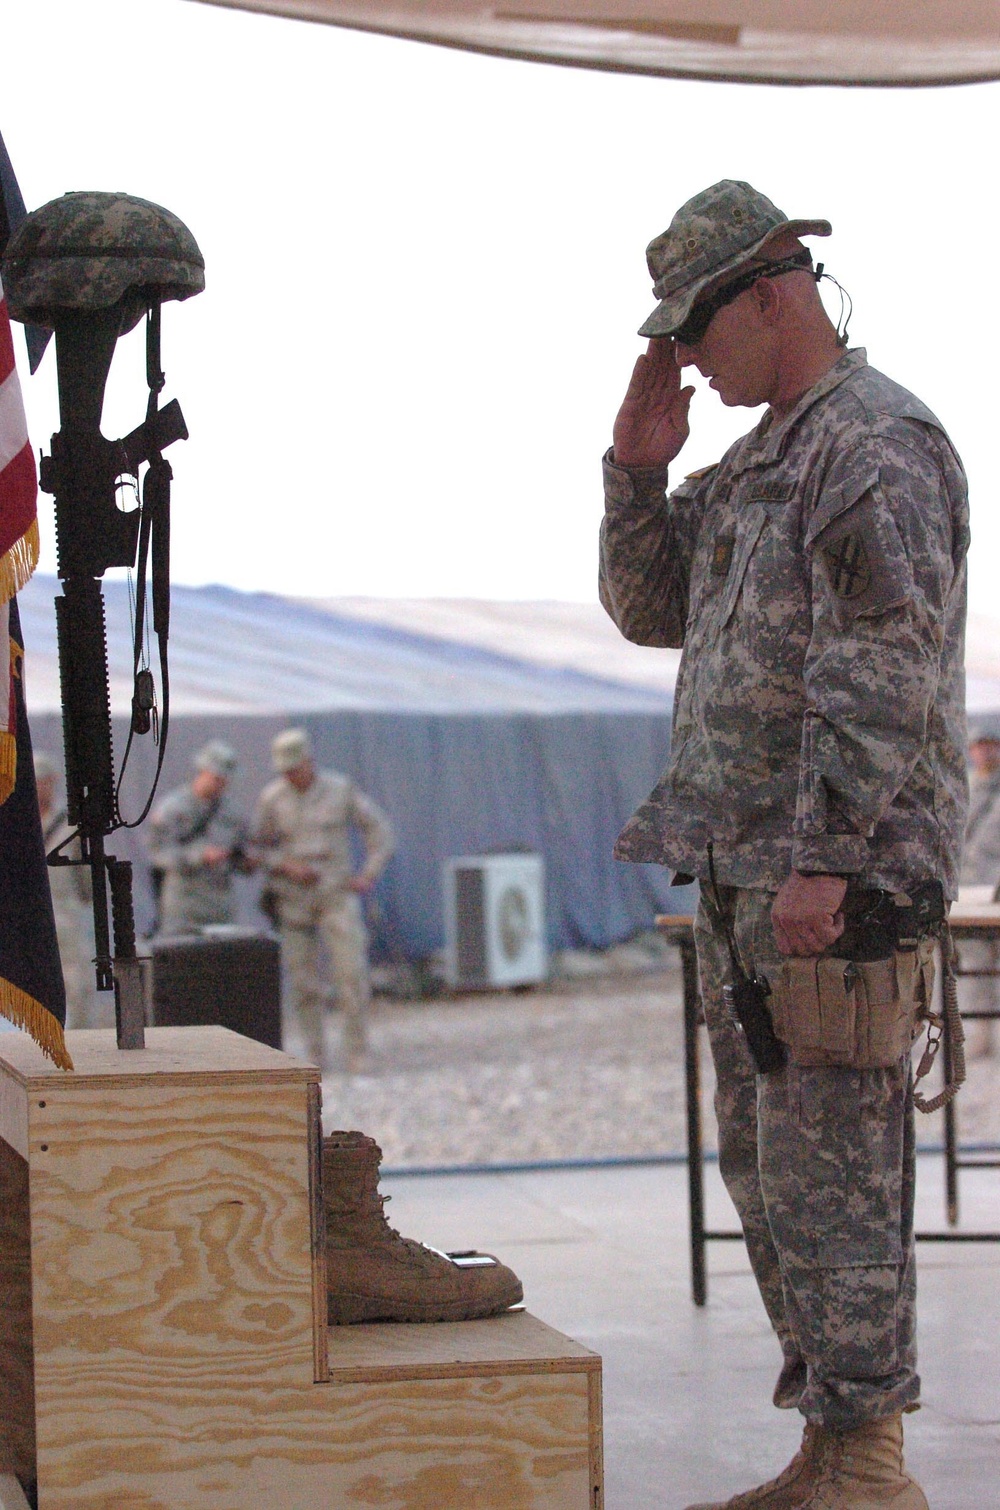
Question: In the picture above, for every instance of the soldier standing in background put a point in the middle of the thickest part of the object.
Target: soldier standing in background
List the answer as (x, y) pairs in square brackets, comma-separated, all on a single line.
[(816, 581), (981, 867), (197, 841), (303, 829), (71, 904)]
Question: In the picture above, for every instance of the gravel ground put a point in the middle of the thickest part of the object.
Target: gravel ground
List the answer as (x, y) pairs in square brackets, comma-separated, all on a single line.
[(575, 1071), (581, 1069)]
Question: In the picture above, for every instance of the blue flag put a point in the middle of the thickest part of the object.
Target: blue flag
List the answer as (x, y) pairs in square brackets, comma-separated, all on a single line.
[(32, 993)]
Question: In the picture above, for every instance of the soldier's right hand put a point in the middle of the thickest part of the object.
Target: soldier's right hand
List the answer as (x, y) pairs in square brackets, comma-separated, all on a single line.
[(214, 854), (652, 423), (298, 870)]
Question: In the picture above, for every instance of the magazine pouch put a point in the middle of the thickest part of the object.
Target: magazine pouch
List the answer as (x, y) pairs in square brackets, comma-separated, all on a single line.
[(832, 1011)]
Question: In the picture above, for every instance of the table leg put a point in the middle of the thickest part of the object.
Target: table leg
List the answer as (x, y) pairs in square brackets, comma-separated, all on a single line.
[(692, 1088), (950, 1138)]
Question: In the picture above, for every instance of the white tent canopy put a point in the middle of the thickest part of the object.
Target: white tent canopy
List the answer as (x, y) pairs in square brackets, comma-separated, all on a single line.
[(905, 42)]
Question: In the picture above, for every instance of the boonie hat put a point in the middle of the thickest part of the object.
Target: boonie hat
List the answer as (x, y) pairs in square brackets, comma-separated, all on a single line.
[(289, 749), (713, 235), (217, 757)]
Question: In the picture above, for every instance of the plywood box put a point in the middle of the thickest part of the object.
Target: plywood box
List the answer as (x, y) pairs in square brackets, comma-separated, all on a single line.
[(163, 1342)]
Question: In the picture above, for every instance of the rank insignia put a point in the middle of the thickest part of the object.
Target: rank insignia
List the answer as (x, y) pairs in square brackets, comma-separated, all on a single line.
[(847, 566), (722, 554)]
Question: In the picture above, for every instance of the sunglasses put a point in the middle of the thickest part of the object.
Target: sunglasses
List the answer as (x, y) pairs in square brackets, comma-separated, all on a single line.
[(704, 312)]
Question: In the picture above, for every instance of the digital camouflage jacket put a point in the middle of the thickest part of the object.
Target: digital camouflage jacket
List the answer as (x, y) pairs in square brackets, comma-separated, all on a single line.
[(183, 826), (816, 581)]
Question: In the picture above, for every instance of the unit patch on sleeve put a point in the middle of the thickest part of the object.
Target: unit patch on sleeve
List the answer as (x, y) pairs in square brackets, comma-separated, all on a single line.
[(848, 566), (861, 555)]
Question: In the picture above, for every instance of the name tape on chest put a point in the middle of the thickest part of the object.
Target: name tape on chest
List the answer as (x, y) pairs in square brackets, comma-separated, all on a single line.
[(769, 490)]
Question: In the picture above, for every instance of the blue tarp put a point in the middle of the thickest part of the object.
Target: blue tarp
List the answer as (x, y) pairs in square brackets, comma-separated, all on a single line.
[(468, 751), (561, 785)]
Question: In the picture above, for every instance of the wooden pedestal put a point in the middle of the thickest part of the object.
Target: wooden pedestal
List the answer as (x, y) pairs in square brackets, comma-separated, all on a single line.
[(163, 1343)]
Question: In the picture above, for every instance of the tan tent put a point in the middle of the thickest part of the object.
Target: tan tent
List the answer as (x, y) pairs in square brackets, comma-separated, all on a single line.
[(763, 41)]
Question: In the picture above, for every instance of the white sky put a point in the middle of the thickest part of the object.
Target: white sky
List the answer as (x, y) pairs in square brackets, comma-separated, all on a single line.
[(425, 270)]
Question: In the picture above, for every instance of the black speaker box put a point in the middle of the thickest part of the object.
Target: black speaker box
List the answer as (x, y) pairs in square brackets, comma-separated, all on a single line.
[(232, 979)]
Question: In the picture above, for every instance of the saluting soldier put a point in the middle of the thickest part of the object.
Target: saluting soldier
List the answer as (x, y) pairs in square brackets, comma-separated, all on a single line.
[(816, 580), (198, 841), (302, 828)]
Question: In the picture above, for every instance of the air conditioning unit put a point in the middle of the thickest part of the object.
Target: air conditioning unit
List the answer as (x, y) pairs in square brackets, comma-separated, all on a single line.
[(494, 920)]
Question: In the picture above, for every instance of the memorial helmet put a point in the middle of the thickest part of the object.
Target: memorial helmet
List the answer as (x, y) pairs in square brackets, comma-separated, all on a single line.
[(92, 250)]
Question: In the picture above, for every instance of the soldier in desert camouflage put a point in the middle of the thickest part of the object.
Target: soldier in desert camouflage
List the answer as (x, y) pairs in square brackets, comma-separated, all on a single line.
[(303, 828), (816, 580)]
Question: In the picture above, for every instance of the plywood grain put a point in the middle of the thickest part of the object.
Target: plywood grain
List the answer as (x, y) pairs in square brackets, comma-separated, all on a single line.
[(471, 1444), (512, 1344), (595, 1387), (171, 1232), (317, 1210), (184, 1055), (170, 1303)]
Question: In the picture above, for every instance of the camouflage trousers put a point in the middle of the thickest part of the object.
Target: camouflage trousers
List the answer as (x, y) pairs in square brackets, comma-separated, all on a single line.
[(820, 1166), (335, 923)]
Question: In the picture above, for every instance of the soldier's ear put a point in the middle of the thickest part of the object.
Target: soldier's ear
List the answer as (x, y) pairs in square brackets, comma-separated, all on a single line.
[(768, 297)]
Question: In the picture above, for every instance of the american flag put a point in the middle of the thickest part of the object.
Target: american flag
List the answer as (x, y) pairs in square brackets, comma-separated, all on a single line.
[(32, 993)]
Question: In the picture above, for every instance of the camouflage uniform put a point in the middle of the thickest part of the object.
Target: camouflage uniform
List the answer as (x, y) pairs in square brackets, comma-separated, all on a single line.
[(816, 581), (182, 827), (314, 827)]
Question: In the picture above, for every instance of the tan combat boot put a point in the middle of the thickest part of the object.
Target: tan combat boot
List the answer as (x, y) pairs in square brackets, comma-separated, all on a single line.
[(863, 1469), (373, 1274), (788, 1491)]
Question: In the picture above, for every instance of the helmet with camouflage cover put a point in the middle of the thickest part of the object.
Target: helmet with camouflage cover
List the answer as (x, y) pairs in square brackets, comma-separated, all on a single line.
[(92, 250), (713, 236)]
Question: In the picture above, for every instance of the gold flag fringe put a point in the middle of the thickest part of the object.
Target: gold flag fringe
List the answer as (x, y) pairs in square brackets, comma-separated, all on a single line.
[(8, 737), (27, 1013), (8, 764), (18, 564)]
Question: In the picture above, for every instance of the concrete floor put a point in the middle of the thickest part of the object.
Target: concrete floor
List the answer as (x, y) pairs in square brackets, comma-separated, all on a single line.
[(603, 1256)]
